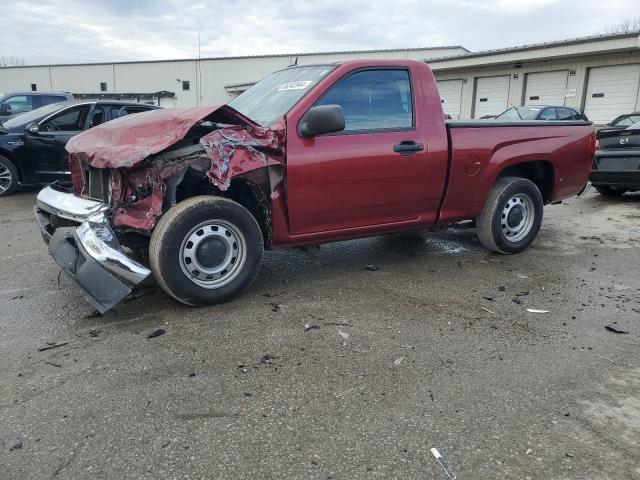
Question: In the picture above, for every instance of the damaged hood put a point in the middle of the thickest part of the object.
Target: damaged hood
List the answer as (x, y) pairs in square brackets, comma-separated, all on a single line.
[(127, 141)]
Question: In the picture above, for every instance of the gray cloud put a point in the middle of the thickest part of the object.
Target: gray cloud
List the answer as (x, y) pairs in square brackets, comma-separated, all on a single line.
[(70, 31)]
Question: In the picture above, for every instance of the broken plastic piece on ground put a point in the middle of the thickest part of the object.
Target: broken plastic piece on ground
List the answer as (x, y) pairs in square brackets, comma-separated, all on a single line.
[(156, 333), (51, 345), (372, 267), (534, 310), (443, 463), (519, 298), (398, 361), (345, 336), (487, 310), (308, 327), (615, 329)]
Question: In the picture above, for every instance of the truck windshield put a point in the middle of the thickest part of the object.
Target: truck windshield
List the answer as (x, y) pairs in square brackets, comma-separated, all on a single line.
[(274, 96)]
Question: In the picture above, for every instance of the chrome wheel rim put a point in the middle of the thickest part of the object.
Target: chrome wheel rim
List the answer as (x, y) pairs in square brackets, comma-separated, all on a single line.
[(517, 218), (213, 253), (5, 178)]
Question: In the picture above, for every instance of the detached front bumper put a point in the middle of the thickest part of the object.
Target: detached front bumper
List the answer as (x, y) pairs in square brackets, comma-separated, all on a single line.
[(82, 242)]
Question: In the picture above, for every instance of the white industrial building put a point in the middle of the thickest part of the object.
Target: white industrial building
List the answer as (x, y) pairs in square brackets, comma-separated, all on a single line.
[(600, 74)]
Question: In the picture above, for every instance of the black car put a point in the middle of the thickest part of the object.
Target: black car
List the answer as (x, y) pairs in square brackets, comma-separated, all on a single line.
[(625, 120), (616, 167), (542, 112), (12, 104), (32, 144)]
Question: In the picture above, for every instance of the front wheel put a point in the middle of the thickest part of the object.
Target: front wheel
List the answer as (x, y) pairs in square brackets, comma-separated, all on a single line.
[(206, 250), (608, 191), (511, 218)]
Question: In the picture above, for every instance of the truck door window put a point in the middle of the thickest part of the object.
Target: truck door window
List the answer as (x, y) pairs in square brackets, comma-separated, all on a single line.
[(72, 120), (373, 100), (19, 103), (49, 99)]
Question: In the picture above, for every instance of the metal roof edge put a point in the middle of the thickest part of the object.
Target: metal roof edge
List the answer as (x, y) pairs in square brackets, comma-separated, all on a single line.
[(535, 46), (237, 57)]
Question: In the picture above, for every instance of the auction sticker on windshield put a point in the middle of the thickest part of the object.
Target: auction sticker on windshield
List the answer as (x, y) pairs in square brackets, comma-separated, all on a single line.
[(299, 85)]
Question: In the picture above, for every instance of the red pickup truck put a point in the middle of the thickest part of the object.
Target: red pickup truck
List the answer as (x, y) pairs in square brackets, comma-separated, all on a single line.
[(310, 154)]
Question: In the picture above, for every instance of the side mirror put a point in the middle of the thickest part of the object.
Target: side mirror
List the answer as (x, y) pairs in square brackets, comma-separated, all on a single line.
[(32, 129), (5, 109), (320, 120)]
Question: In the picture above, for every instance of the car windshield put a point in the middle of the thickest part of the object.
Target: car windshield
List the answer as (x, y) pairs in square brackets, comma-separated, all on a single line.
[(519, 113), (32, 116), (635, 126), (274, 96)]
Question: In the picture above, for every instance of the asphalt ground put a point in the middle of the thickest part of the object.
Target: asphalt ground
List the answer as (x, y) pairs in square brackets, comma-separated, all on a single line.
[(327, 368)]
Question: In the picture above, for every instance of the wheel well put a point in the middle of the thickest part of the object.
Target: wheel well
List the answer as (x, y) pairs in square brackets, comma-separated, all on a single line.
[(539, 172), (254, 199), (244, 191)]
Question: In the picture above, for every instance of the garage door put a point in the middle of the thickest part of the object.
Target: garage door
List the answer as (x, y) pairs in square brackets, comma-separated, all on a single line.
[(612, 91), (168, 102), (546, 88), (451, 96), (492, 95)]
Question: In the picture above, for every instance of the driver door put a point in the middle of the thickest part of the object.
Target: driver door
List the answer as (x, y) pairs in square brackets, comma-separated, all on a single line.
[(48, 158)]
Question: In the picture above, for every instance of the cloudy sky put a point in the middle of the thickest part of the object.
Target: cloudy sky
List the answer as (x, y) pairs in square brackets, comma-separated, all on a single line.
[(68, 31)]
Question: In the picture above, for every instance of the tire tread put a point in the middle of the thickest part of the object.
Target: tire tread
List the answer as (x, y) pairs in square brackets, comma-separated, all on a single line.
[(159, 237)]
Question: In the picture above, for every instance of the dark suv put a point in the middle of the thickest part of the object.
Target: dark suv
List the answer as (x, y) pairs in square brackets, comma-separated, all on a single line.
[(32, 144), (12, 104)]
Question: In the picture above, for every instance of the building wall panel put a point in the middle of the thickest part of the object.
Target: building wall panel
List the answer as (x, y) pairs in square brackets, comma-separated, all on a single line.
[(20, 79)]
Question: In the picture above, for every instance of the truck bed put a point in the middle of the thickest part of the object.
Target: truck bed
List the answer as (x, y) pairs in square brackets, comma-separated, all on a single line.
[(481, 150)]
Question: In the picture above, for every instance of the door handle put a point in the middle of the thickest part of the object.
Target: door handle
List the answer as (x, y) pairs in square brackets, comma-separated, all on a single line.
[(408, 147)]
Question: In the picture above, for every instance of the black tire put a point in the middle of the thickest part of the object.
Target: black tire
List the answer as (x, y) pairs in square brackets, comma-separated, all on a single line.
[(8, 177), (608, 191), (516, 196), (172, 260)]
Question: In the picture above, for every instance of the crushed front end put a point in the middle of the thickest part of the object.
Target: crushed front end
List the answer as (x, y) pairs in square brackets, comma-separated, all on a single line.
[(83, 244), (128, 172)]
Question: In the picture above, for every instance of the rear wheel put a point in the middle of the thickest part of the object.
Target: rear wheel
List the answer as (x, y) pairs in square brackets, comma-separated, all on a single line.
[(512, 215), (8, 177), (608, 191), (206, 250)]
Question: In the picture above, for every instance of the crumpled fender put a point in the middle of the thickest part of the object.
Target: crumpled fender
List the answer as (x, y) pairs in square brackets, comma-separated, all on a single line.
[(233, 151), (138, 148)]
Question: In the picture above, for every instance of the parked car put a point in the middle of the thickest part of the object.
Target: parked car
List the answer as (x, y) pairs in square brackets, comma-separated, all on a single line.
[(308, 155), (12, 104), (625, 120), (32, 144), (616, 167), (543, 112)]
